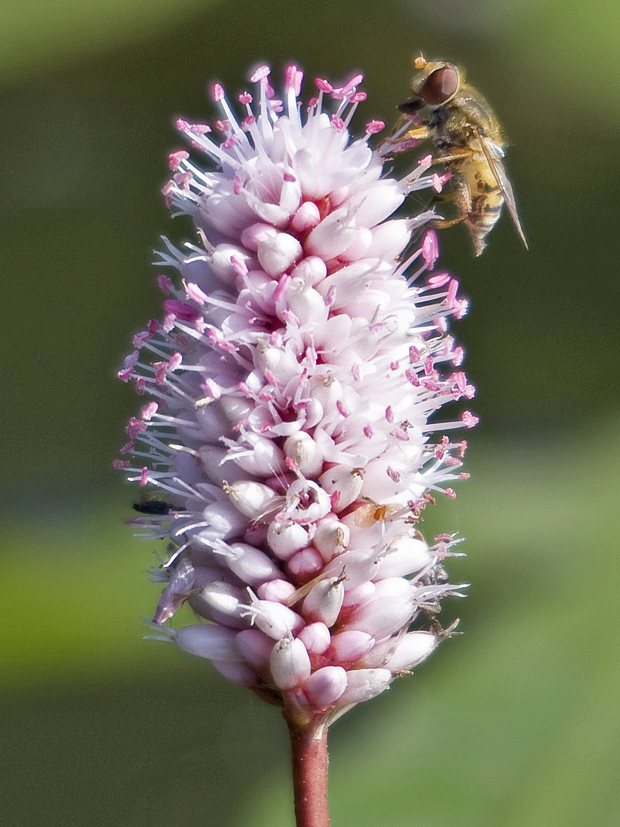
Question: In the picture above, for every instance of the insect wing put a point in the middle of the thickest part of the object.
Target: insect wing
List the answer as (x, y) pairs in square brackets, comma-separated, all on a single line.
[(494, 154)]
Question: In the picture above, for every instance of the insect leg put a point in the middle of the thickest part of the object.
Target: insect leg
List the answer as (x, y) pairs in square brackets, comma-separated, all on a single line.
[(461, 196), (418, 133), (457, 154), (398, 140), (443, 223)]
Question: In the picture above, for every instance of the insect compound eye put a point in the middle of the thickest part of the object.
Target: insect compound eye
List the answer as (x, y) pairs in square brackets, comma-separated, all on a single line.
[(440, 86)]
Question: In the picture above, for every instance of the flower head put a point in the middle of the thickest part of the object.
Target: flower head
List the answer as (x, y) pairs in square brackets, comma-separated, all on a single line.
[(291, 385)]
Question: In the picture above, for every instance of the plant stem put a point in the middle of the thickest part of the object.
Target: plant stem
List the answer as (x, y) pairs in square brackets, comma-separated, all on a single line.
[(309, 754)]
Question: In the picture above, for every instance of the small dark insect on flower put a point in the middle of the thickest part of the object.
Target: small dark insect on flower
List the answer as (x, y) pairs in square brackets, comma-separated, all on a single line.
[(158, 507)]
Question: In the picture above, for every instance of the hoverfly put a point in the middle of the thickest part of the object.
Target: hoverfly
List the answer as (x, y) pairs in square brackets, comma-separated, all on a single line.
[(469, 144)]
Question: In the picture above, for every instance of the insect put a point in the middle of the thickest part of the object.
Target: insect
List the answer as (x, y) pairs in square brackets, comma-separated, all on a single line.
[(469, 144), (155, 507)]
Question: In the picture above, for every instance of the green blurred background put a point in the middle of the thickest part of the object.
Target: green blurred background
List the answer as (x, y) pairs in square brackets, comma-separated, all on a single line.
[(514, 724)]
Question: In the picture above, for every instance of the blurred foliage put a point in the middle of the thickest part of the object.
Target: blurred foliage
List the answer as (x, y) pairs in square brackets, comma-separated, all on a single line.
[(516, 723), (36, 35)]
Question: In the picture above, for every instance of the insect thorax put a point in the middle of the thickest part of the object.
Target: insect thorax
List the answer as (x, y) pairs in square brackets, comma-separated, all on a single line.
[(449, 128)]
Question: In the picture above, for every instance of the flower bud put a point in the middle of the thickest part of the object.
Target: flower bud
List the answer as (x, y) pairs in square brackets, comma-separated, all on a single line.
[(403, 556), (325, 686), (345, 483), (332, 236), (255, 647), (311, 269), (278, 253), (290, 663), (401, 653), (331, 538), (251, 565), (208, 641), (364, 684), (222, 258), (238, 673), (382, 616), (305, 453), (286, 538), (324, 601), (275, 620), (306, 217), (253, 235), (315, 637), (223, 598), (305, 564), (389, 239), (252, 498), (349, 646), (262, 457), (306, 303), (278, 590)]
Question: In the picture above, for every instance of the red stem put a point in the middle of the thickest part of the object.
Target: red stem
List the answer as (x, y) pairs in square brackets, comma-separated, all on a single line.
[(309, 753)]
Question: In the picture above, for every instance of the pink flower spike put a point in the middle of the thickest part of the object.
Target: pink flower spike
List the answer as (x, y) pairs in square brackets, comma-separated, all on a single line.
[(289, 434)]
